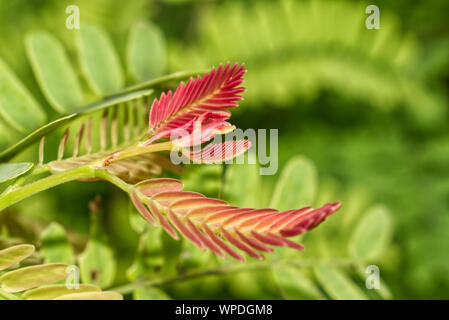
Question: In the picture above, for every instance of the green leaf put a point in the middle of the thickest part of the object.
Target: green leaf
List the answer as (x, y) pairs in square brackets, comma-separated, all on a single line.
[(148, 256), (373, 234), (242, 184), (52, 291), (34, 276), (146, 52), (297, 185), (17, 106), (9, 171), (150, 293), (103, 295), (337, 284), (53, 71), (99, 60), (97, 263), (294, 283), (81, 112), (11, 256), (55, 247)]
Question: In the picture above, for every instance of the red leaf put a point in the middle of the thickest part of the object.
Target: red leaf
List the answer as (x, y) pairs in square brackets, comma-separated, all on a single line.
[(207, 222), (205, 97)]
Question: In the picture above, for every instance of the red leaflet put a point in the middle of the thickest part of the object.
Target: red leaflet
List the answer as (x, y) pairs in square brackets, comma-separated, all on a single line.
[(208, 222), (205, 97)]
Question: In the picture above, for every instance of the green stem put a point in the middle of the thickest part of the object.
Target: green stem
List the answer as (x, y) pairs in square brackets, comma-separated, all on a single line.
[(15, 195), (235, 268), (136, 150)]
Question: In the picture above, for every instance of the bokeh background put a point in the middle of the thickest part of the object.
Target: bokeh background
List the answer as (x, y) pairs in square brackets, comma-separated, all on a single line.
[(362, 117)]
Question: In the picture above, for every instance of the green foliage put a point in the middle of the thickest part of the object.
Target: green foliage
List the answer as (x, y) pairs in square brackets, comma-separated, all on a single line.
[(146, 52), (298, 49), (337, 285), (99, 61), (55, 247), (323, 65), (97, 262), (17, 106), (372, 235), (54, 72), (9, 171)]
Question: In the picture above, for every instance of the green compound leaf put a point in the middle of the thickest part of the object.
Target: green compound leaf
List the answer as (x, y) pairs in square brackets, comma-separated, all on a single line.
[(297, 185), (150, 293), (53, 71), (295, 284), (337, 284), (34, 276), (13, 255), (103, 295), (52, 291), (99, 60), (17, 106), (84, 111), (9, 171), (146, 51), (373, 234), (55, 247)]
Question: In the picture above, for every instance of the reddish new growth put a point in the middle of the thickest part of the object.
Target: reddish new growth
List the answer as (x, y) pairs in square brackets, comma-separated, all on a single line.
[(200, 109), (209, 222)]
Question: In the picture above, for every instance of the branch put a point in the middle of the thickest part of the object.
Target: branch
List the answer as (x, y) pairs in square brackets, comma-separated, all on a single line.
[(235, 268)]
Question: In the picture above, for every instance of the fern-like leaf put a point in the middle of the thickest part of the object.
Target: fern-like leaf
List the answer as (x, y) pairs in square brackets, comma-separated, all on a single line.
[(212, 223), (204, 98)]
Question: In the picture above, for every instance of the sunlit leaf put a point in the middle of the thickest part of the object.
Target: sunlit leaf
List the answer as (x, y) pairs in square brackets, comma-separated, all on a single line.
[(99, 60), (9, 171), (17, 106), (48, 292), (295, 284), (373, 234), (337, 284), (146, 51), (102, 295), (297, 185), (33, 276), (11, 256), (55, 246), (53, 71)]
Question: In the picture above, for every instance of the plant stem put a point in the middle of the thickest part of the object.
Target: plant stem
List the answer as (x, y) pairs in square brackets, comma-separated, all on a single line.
[(128, 288), (136, 150), (14, 195)]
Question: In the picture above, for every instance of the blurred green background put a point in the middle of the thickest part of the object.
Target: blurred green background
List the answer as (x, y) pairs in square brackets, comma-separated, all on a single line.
[(362, 117)]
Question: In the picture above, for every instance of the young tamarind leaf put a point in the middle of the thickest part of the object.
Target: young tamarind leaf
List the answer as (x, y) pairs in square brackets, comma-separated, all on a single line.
[(11, 256), (52, 291), (33, 276), (99, 60), (205, 97), (9, 171), (17, 106), (92, 295), (53, 71), (145, 51), (207, 222)]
